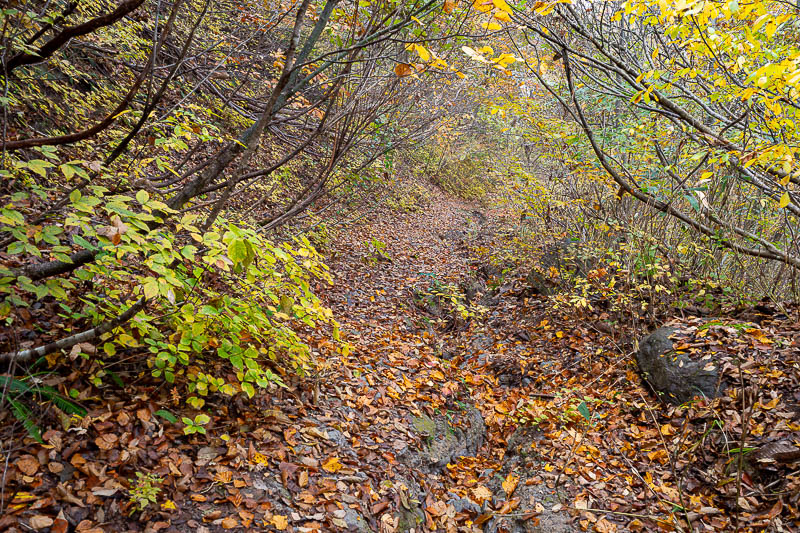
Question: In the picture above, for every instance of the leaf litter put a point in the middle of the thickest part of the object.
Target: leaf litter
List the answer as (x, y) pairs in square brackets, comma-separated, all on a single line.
[(519, 415)]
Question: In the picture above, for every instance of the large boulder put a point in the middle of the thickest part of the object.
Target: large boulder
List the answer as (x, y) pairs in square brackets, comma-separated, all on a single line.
[(675, 376)]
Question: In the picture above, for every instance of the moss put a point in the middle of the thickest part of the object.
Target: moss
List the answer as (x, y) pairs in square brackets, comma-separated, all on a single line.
[(424, 425), (409, 519)]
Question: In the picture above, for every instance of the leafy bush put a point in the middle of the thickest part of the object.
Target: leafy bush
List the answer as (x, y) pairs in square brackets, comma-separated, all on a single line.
[(223, 294)]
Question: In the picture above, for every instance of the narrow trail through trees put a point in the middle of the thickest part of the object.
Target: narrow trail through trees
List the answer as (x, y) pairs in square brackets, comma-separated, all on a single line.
[(415, 407)]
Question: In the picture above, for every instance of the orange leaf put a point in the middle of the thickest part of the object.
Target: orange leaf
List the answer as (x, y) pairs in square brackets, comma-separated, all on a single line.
[(402, 69), (510, 483), (280, 522), (224, 477)]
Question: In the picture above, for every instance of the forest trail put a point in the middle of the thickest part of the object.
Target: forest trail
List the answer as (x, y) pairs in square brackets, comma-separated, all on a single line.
[(521, 417), (414, 418), (243, 285)]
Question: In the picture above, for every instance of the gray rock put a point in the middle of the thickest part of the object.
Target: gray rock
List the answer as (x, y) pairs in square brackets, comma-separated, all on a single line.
[(453, 235), (675, 377), (411, 514), (520, 460), (561, 256), (522, 441), (444, 442), (474, 289), (338, 438), (463, 504), (355, 521)]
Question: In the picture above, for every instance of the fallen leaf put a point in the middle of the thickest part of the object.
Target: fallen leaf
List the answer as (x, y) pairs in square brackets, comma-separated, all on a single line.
[(510, 483), (28, 465), (229, 522), (40, 522), (332, 465), (481, 493), (279, 521)]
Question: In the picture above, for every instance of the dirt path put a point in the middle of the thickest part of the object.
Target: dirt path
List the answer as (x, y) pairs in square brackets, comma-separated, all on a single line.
[(415, 412)]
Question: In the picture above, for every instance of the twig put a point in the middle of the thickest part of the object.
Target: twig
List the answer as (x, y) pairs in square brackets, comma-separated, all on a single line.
[(69, 342)]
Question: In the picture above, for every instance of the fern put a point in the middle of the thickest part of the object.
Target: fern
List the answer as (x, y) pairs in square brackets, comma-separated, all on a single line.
[(24, 415), (61, 402), (17, 389), (14, 385)]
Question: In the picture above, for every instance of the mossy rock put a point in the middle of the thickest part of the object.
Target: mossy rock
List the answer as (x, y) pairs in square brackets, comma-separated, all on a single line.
[(444, 442)]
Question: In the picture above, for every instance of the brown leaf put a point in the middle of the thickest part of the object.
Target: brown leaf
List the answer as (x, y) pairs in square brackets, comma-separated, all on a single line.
[(28, 464), (483, 518), (40, 522), (60, 525), (782, 451), (106, 441), (65, 495), (402, 69), (229, 522)]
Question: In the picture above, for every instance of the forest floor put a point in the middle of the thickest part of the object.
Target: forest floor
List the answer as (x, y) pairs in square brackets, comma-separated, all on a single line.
[(520, 417)]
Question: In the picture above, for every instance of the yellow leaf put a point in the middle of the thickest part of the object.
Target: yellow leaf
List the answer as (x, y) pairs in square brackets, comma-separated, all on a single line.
[(423, 53), (332, 465), (502, 5), (502, 15), (279, 521), (484, 6), (510, 484), (491, 26), (784, 200), (168, 505)]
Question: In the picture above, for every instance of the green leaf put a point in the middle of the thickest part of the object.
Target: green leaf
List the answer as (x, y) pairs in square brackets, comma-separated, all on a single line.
[(84, 243), (202, 419), (249, 389), (209, 310), (166, 415), (142, 197), (584, 410), (40, 166), (237, 251)]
